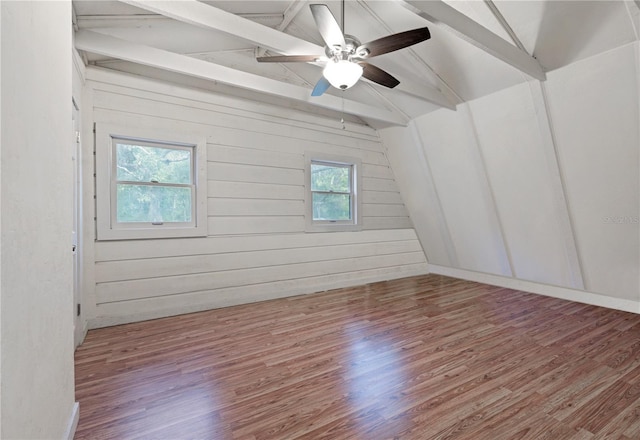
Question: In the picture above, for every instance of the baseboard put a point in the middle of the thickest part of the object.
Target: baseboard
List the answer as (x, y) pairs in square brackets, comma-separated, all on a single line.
[(73, 422), (580, 296)]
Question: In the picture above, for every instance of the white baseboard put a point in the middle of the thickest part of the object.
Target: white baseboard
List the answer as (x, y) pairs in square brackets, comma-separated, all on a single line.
[(580, 296), (73, 422)]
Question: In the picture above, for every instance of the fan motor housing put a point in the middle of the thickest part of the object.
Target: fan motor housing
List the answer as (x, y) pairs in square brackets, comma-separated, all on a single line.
[(346, 52)]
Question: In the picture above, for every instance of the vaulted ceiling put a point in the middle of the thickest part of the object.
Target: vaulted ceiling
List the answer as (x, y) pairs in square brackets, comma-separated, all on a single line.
[(476, 47)]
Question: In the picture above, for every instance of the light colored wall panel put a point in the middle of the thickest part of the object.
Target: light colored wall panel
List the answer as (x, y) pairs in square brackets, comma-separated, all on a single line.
[(197, 98), (414, 179), (376, 184), (594, 108), (162, 286), (451, 150), (247, 190), (37, 383), (256, 226), (177, 109), (374, 197), (254, 174), (521, 181), (243, 137), (377, 171), (384, 210), (277, 143), (252, 156), (142, 249), (554, 168), (255, 207), (386, 222), (110, 271), (111, 313)]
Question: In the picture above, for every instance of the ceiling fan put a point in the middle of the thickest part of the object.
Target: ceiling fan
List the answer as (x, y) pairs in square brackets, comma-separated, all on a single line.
[(345, 55)]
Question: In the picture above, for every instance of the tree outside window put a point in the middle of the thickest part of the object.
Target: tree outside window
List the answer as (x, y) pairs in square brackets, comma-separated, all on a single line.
[(332, 193), (154, 183), (331, 188)]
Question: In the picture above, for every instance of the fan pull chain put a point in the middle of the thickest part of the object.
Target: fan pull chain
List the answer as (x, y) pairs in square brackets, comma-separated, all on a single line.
[(342, 118)]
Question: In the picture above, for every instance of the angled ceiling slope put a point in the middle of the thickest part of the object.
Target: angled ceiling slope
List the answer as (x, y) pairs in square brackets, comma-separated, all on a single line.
[(476, 47)]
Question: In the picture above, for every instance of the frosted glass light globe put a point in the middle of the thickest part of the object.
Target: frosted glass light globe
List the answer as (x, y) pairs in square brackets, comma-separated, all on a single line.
[(342, 74)]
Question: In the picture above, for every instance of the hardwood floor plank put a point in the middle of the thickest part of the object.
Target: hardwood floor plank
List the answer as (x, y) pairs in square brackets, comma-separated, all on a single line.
[(422, 358)]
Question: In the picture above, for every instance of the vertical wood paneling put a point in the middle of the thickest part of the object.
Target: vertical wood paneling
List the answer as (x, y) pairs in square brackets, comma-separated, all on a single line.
[(460, 181), (598, 142), (256, 244), (407, 156), (524, 190), (560, 161)]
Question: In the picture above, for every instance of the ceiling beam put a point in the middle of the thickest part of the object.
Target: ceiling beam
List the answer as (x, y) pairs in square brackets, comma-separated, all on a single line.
[(440, 14), (150, 56), (633, 8), (290, 13), (200, 14), (505, 24), (420, 65), (209, 17)]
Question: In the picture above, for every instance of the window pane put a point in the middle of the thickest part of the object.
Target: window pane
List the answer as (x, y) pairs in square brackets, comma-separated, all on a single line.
[(330, 178), (140, 163), (148, 204), (331, 206)]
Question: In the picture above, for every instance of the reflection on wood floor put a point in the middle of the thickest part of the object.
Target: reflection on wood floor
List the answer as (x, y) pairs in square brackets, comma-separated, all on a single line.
[(425, 357)]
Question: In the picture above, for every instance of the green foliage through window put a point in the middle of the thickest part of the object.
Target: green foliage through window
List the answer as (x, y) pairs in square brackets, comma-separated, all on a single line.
[(153, 204), (141, 163), (154, 183), (331, 187)]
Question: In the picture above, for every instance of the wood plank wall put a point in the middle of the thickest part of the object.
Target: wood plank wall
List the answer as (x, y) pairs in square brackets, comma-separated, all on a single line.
[(256, 247), (519, 188)]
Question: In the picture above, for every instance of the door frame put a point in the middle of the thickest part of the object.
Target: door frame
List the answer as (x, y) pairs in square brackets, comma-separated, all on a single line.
[(76, 233)]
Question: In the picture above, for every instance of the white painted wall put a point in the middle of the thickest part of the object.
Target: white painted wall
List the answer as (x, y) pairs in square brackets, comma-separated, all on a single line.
[(1, 140), (37, 383), (78, 70), (594, 107), (532, 180), (256, 247)]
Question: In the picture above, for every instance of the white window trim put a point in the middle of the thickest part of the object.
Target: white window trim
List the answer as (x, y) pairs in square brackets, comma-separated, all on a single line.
[(106, 227), (338, 226)]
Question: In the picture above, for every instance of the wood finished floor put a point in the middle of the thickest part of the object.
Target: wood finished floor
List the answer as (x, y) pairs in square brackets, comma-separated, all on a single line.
[(426, 357)]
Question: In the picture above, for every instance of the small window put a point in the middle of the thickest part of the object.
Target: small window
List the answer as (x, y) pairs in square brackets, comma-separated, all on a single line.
[(154, 183), (150, 188), (332, 193)]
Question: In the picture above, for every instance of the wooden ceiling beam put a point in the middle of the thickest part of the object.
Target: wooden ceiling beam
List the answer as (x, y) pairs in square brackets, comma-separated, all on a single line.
[(200, 14), (440, 14), (505, 24), (106, 45), (209, 17)]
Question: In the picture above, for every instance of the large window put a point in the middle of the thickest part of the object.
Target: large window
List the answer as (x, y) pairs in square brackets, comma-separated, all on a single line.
[(149, 188), (332, 193)]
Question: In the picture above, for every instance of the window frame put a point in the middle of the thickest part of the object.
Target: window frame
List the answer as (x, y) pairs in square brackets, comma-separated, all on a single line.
[(355, 165), (107, 226)]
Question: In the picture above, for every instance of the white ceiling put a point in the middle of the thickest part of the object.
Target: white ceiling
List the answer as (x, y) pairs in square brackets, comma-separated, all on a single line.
[(476, 47)]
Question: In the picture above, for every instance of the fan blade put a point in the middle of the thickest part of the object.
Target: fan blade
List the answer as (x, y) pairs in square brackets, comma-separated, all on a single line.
[(321, 86), (289, 59), (392, 42), (379, 76), (327, 25)]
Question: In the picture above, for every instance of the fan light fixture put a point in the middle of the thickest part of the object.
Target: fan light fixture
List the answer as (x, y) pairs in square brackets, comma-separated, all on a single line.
[(342, 74), (346, 57)]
